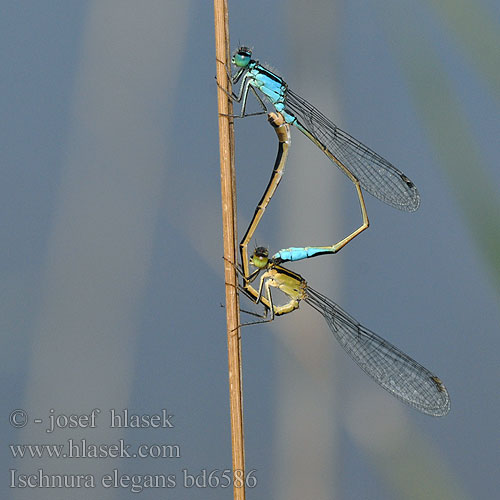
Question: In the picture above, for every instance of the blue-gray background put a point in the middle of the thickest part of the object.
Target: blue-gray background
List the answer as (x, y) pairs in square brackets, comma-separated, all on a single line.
[(112, 277)]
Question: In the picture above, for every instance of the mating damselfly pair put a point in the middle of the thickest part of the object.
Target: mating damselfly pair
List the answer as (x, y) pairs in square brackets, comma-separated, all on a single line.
[(391, 368)]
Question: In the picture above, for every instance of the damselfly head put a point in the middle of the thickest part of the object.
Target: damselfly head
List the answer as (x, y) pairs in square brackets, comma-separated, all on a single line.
[(242, 57), (260, 257)]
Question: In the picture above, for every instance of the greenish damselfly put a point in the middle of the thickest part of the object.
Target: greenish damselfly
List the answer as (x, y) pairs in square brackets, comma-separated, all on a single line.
[(391, 368)]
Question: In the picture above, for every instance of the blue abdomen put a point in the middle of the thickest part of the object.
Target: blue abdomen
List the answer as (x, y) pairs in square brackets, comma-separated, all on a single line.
[(294, 253)]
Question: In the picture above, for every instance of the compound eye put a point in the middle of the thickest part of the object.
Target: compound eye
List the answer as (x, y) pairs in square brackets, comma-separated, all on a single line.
[(242, 57)]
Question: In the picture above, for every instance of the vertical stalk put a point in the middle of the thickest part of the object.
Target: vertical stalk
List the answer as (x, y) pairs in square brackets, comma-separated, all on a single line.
[(228, 194)]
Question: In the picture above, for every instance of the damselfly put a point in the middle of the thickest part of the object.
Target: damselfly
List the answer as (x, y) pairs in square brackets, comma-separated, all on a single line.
[(386, 364), (391, 368), (365, 168)]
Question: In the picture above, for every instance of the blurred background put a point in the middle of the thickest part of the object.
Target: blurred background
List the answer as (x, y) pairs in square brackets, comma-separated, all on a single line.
[(112, 273)]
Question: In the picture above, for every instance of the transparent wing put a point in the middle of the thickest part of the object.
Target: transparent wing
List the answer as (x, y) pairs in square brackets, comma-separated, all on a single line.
[(375, 174), (391, 368)]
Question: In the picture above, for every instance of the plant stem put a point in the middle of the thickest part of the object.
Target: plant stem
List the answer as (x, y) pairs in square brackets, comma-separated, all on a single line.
[(228, 194)]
